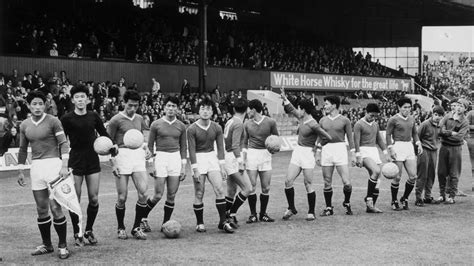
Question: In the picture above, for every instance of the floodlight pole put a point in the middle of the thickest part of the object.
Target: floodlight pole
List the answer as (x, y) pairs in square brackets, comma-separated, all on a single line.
[(202, 44)]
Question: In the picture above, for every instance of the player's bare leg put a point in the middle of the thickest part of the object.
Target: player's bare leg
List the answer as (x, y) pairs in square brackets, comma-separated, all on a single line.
[(291, 175), (372, 190), (199, 188), (92, 183), (140, 181), (327, 177), (231, 191), (215, 179), (78, 241), (252, 198), (121, 183), (152, 201), (343, 171), (265, 180), (410, 167), (172, 186)]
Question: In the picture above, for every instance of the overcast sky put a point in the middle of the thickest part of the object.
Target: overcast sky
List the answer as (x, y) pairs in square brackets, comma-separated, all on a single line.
[(448, 39)]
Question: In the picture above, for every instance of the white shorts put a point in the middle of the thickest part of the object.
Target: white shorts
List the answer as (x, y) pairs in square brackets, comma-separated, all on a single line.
[(207, 162), (231, 163), (43, 171), (334, 154), (303, 157), (167, 163), (129, 161), (370, 152), (259, 159), (404, 150)]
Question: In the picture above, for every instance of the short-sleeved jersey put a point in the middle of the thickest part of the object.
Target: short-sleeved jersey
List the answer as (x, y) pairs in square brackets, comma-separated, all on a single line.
[(234, 136), (337, 127), (257, 132), (169, 136), (45, 137), (201, 140), (81, 129), (401, 128), (121, 123), (308, 130), (367, 135)]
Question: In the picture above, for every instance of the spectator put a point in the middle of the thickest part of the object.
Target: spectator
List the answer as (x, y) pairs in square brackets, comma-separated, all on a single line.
[(156, 87), (185, 87), (54, 50)]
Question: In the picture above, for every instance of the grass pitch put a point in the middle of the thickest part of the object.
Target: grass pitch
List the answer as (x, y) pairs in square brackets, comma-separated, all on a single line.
[(435, 234)]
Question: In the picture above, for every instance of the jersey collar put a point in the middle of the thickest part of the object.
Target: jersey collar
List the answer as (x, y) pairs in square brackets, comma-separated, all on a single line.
[(126, 116), (370, 124), (259, 122), (334, 118), (39, 121), (170, 122), (203, 128), (307, 121), (401, 116)]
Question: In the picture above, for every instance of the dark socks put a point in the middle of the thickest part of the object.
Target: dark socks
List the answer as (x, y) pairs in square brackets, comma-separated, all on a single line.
[(328, 196), (311, 201), (168, 210), (371, 188), (199, 211), (91, 215), (140, 210), (44, 225), (263, 203), (120, 213), (408, 188), (252, 199), (60, 226), (221, 206), (149, 206), (75, 222), (347, 193), (228, 203), (394, 189), (290, 197), (375, 195), (239, 200)]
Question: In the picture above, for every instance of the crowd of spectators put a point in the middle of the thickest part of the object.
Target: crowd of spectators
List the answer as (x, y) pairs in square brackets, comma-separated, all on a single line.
[(447, 79), (149, 38)]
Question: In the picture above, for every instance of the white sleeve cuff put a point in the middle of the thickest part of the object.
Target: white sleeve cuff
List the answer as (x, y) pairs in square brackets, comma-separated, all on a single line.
[(390, 146), (194, 166), (221, 161), (65, 156), (353, 150), (418, 143), (184, 161), (244, 150), (240, 160), (358, 154), (385, 152), (286, 102)]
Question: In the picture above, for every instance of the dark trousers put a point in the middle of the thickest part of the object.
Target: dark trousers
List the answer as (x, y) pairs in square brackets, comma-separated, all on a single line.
[(449, 169), (470, 145), (426, 169)]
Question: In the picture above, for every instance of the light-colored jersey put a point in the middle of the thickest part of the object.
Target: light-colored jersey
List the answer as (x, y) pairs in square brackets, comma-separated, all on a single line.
[(46, 137), (201, 140), (338, 128), (367, 135), (121, 123), (234, 136), (401, 129), (255, 133), (168, 136)]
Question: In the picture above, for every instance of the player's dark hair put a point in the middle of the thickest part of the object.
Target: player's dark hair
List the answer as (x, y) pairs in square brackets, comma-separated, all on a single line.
[(172, 99), (131, 95), (372, 108), (333, 99), (402, 101), (307, 106), (208, 102), (240, 105), (256, 104), (438, 110), (79, 88), (35, 94)]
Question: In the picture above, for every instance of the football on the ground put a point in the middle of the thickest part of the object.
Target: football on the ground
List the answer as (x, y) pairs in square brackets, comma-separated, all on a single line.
[(133, 139), (102, 145), (171, 229), (273, 143), (390, 170)]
